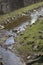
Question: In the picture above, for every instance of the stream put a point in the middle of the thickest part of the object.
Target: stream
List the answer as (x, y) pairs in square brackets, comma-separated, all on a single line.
[(9, 58), (7, 37)]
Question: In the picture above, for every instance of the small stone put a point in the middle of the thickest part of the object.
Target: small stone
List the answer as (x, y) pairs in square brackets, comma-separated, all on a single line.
[(23, 14), (7, 20), (34, 10), (12, 18), (35, 47), (28, 57)]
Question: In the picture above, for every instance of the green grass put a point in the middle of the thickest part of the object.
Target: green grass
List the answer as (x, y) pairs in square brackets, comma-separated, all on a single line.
[(19, 11), (25, 45)]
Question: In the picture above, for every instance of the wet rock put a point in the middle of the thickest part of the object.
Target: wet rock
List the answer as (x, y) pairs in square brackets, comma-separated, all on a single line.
[(28, 57), (14, 30), (35, 47), (18, 15), (1, 63), (39, 60), (23, 14), (32, 56), (34, 23), (26, 12), (10, 41), (10, 47), (2, 27), (34, 10), (11, 33), (12, 18), (29, 11), (40, 16), (1, 57), (8, 20)]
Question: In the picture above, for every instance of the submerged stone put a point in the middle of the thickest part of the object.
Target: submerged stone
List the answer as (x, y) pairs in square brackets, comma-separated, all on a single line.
[(10, 41)]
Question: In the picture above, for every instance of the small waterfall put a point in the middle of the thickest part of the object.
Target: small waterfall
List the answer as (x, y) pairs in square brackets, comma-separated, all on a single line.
[(35, 15)]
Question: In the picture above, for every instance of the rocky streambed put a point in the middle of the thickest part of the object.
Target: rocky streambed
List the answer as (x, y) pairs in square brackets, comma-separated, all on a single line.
[(7, 37)]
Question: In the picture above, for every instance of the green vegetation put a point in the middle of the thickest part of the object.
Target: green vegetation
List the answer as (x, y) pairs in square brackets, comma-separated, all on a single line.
[(37, 64), (31, 41), (19, 11)]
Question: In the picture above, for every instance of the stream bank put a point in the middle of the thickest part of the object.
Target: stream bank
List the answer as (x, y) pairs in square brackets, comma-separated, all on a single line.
[(8, 36), (20, 44)]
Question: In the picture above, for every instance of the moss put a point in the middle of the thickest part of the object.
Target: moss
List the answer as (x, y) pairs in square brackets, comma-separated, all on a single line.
[(19, 11), (28, 43)]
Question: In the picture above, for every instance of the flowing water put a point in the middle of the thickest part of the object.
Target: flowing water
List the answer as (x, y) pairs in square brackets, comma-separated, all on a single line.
[(8, 37), (9, 58), (35, 15)]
